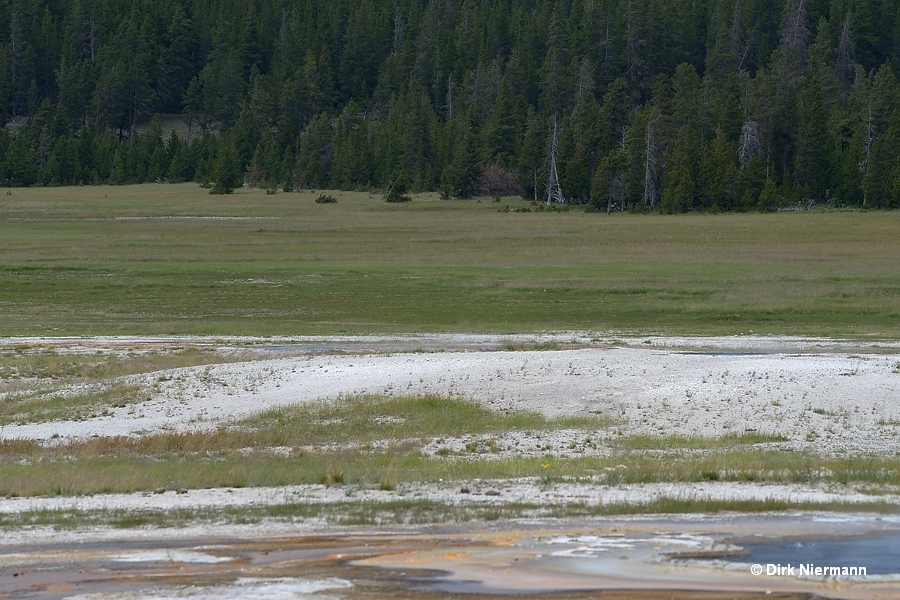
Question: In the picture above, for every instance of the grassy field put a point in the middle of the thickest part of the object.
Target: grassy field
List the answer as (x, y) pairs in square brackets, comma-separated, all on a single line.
[(160, 259)]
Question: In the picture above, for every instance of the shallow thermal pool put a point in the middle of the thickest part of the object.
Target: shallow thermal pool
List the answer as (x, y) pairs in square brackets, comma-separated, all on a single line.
[(682, 556)]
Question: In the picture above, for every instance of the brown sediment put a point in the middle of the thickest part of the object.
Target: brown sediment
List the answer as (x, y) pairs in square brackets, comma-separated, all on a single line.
[(368, 584), (393, 564)]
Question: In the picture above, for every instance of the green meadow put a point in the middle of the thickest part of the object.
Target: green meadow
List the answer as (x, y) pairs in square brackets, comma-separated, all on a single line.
[(172, 259)]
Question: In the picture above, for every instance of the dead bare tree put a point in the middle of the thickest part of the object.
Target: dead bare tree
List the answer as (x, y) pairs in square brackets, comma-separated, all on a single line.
[(554, 191), (867, 142), (449, 104), (399, 31), (844, 64), (737, 31), (649, 171), (651, 162), (632, 42), (749, 142), (585, 83), (796, 32), (617, 164), (15, 50)]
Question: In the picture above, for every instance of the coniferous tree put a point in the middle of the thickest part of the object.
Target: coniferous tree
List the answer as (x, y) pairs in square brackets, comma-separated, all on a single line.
[(533, 155), (502, 129), (316, 152), (879, 150), (614, 115), (680, 190), (555, 79), (461, 176), (110, 97), (610, 190), (176, 63), (118, 171), (575, 175), (139, 67), (228, 174), (768, 197), (718, 174), (351, 164), (245, 135), (811, 155), (397, 189), (366, 45), (177, 169)]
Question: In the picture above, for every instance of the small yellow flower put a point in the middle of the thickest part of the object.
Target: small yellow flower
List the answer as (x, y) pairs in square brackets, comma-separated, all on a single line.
[(545, 466)]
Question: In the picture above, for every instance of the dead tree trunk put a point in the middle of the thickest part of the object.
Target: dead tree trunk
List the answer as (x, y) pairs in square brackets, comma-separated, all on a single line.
[(554, 191), (748, 144), (650, 192), (867, 149)]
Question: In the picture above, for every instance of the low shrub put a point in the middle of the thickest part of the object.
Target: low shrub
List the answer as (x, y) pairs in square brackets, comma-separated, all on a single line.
[(497, 181), (395, 197)]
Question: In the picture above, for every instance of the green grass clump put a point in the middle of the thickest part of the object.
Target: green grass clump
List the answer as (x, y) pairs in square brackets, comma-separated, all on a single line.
[(372, 417), (40, 385), (696, 442), (42, 406), (25, 362)]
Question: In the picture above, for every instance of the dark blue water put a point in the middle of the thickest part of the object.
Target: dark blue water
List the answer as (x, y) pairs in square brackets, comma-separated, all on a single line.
[(878, 553)]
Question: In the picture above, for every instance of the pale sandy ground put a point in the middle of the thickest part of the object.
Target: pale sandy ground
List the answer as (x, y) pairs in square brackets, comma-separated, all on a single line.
[(828, 396), (831, 397)]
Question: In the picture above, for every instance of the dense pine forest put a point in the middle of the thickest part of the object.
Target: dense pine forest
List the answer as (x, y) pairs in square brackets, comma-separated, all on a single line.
[(646, 105)]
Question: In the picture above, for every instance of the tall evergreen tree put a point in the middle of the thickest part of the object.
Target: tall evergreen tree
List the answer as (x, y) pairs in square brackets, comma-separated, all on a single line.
[(811, 157), (228, 174), (503, 129), (176, 62), (680, 190), (718, 174), (461, 176)]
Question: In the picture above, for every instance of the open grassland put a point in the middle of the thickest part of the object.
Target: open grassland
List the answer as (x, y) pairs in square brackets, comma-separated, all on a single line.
[(172, 259)]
